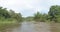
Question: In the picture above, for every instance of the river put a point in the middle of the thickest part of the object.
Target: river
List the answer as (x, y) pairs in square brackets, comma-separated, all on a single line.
[(34, 27)]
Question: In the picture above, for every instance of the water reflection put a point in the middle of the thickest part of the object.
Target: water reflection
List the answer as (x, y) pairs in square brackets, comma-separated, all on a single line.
[(55, 27), (31, 27), (27, 27)]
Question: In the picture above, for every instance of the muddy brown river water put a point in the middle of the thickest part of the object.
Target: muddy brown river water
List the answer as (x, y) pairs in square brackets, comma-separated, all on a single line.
[(34, 27)]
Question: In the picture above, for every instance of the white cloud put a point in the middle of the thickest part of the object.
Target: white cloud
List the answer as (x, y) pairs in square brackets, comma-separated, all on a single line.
[(30, 5), (25, 4)]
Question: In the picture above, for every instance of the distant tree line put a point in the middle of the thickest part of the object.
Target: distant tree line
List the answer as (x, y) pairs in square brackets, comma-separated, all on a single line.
[(52, 16)]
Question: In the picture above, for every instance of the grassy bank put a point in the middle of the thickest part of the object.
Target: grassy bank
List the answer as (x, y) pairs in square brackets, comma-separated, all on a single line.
[(8, 24)]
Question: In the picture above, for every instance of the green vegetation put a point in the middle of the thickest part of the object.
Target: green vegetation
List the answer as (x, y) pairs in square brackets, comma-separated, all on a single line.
[(9, 16), (40, 17), (52, 16), (12, 17), (30, 18), (54, 13), (9, 19)]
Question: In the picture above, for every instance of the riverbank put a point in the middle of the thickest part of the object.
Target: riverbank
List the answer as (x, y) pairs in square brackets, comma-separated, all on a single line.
[(8, 25)]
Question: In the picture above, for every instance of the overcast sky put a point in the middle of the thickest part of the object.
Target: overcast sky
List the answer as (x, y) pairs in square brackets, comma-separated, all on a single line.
[(29, 7)]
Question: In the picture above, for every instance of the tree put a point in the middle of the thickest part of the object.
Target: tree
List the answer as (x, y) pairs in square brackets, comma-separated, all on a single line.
[(37, 16), (9, 15), (29, 18), (54, 13), (16, 16), (4, 13), (12, 13)]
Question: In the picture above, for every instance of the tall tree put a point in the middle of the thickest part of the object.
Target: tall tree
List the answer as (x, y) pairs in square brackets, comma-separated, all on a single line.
[(39, 17), (4, 12), (54, 12)]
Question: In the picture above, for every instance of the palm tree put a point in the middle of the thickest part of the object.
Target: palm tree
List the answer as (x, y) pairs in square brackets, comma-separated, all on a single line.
[(37, 16)]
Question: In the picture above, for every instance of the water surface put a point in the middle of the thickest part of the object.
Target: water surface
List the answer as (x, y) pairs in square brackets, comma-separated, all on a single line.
[(32, 27)]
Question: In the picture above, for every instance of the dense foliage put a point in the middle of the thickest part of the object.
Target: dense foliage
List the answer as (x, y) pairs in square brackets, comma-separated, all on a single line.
[(9, 15), (40, 17), (53, 15)]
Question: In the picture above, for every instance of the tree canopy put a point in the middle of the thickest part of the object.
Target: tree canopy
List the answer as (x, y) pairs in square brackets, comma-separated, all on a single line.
[(9, 14), (54, 13)]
